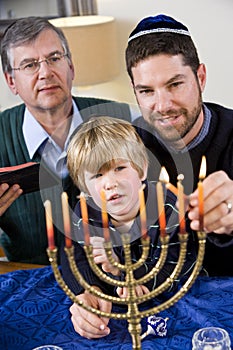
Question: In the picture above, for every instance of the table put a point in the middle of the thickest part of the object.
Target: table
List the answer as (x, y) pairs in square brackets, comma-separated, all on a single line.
[(35, 311), (8, 266)]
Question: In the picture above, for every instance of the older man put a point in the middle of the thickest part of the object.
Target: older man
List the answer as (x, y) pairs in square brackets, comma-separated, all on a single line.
[(37, 65)]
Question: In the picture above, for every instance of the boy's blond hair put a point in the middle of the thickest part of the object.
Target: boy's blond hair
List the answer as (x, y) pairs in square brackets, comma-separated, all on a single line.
[(101, 141)]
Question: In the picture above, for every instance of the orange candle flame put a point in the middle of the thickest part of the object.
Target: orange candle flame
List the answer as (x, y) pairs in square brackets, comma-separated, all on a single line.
[(203, 168), (164, 177), (66, 219), (49, 224), (104, 216), (84, 213)]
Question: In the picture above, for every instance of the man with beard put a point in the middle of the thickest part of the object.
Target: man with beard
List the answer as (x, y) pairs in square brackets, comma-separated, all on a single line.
[(179, 128)]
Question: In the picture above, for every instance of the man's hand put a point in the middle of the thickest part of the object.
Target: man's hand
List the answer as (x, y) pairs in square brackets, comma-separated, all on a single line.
[(8, 195), (87, 324), (218, 199)]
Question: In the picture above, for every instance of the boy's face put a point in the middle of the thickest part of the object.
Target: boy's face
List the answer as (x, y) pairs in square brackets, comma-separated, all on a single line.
[(121, 184)]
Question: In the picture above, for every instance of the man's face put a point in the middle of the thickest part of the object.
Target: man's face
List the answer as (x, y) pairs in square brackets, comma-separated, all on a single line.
[(49, 87), (169, 96)]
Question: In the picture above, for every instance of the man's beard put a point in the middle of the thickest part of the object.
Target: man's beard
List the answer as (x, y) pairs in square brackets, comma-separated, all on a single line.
[(170, 133)]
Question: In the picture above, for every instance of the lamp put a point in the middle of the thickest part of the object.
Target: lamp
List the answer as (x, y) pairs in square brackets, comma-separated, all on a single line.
[(93, 44), (68, 8)]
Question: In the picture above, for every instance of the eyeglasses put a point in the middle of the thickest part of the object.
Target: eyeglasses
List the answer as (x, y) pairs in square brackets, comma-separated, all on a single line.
[(32, 67)]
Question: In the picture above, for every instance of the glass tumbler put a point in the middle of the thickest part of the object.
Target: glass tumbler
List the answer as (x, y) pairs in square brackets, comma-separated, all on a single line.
[(211, 338)]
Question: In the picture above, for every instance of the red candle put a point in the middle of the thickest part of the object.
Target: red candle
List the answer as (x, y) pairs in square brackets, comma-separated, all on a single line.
[(161, 211), (49, 224), (164, 177), (84, 213), (104, 216), (66, 219), (181, 204), (142, 211), (202, 175)]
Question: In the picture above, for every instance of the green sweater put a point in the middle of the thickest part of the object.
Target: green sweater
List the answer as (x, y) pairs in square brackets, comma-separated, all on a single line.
[(24, 238)]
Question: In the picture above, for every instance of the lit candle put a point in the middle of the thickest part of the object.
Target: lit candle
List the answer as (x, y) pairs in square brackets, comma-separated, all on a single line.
[(181, 203), (161, 211), (49, 224), (104, 216), (66, 219), (202, 175), (164, 177), (142, 211), (84, 213)]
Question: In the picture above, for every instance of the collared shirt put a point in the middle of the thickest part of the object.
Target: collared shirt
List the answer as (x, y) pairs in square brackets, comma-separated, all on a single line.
[(204, 130), (198, 139), (52, 154)]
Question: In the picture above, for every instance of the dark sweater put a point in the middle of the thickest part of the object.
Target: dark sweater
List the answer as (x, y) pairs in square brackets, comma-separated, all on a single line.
[(24, 238), (217, 146)]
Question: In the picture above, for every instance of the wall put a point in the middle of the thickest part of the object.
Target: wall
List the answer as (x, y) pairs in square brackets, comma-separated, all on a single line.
[(209, 21)]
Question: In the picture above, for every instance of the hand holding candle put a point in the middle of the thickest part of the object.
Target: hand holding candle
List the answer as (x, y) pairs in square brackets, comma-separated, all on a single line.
[(49, 224)]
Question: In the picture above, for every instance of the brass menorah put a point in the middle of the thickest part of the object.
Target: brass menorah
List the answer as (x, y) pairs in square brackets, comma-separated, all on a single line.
[(133, 314)]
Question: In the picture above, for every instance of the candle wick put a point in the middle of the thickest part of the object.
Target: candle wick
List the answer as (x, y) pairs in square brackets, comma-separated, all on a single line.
[(143, 187), (82, 194), (180, 177)]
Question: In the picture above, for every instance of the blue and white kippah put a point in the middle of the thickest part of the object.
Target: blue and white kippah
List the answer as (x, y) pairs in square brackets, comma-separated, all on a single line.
[(158, 24)]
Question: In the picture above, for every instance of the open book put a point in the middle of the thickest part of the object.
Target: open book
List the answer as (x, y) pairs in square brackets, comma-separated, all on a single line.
[(29, 176)]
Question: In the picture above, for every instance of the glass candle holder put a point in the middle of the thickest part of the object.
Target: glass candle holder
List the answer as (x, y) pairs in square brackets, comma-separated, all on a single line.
[(211, 338)]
